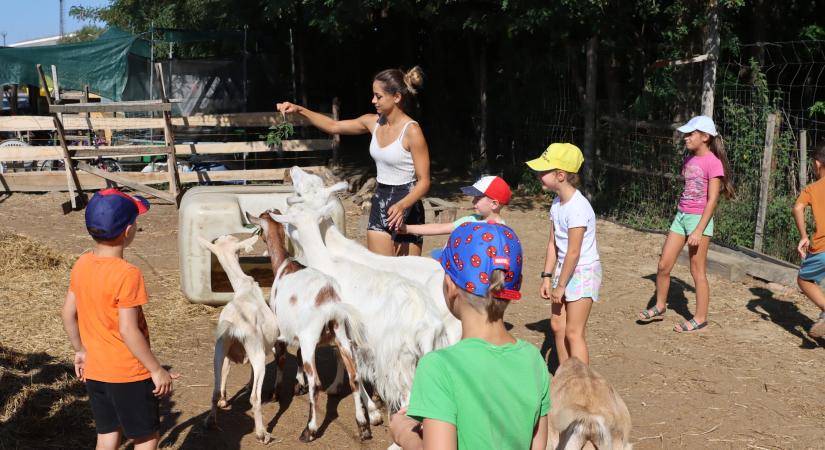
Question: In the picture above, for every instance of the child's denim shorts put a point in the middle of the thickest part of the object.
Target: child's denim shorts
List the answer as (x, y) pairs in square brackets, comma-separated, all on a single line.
[(813, 267), (684, 224)]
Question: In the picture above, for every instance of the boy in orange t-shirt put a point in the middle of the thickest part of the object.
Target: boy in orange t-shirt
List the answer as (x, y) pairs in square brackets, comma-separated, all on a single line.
[(812, 270), (103, 317)]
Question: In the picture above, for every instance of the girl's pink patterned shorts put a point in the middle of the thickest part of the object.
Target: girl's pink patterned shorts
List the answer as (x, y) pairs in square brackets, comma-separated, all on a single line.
[(585, 282)]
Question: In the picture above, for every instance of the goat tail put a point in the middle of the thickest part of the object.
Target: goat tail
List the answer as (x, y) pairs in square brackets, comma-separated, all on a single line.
[(351, 318), (590, 427)]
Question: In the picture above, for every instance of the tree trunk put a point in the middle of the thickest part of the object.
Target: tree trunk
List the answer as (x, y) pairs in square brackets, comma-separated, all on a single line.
[(589, 149), (483, 160), (712, 50)]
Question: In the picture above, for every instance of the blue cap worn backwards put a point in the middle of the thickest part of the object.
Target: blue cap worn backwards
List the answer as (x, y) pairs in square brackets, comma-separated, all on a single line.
[(475, 250), (110, 211)]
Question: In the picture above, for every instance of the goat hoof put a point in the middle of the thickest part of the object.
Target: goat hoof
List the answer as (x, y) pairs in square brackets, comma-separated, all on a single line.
[(300, 389), (365, 432), (263, 438), (222, 403), (376, 419), (307, 435)]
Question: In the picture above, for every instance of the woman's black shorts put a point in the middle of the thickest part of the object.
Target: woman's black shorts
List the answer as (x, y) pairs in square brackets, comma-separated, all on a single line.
[(130, 407), (387, 195)]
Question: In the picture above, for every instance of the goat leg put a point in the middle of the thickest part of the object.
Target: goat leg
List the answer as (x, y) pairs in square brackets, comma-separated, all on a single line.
[(314, 383), (257, 357), (347, 357), (218, 362), (300, 379), (338, 383), (280, 357)]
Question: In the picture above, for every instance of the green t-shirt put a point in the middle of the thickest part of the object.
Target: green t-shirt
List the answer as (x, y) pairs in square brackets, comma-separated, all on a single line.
[(494, 395), (473, 218)]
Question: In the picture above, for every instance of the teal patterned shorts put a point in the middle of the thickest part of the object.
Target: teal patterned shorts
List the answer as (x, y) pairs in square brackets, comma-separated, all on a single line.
[(585, 282)]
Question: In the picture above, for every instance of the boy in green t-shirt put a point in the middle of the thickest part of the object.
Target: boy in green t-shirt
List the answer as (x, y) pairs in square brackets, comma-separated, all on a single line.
[(490, 390)]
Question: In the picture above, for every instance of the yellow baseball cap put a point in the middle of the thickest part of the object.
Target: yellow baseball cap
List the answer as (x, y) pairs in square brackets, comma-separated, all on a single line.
[(564, 156)]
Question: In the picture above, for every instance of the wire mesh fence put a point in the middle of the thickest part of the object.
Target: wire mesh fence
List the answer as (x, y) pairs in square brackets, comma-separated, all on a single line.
[(639, 156)]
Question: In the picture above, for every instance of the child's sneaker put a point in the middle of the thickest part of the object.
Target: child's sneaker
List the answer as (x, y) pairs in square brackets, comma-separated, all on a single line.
[(818, 328)]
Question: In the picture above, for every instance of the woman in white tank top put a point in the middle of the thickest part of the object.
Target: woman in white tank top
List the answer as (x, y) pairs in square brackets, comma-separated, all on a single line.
[(401, 157)]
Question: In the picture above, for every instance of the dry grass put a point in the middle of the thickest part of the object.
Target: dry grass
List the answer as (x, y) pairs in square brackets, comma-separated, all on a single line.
[(42, 405)]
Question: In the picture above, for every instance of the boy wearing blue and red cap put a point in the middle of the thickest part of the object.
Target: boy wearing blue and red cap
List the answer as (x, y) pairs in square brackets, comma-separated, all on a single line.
[(490, 390), (103, 317)]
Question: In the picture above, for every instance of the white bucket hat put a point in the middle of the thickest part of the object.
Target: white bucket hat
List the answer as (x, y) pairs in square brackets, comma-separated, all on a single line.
[(701, 123)]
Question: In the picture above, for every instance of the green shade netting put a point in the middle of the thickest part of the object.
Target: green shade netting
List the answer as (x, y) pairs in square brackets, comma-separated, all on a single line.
[(101, 64)]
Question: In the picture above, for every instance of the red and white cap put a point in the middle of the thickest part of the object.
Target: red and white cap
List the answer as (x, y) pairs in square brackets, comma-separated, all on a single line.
[(491, 186)]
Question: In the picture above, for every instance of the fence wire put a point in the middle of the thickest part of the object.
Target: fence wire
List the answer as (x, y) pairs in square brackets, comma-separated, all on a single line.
[(639, 153)]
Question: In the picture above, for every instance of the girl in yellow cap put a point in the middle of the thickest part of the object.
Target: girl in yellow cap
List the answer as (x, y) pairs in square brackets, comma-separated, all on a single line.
[(572, 261)]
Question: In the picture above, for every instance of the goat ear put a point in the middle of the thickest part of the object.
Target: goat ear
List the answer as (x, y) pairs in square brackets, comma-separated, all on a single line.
[(280, 218), (326, 211), (293, 200), (247, 244), (252, 219), (340, 186), (206, 244)]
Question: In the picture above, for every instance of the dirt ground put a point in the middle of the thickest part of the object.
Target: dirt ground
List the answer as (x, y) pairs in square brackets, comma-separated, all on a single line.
[(752, 380)]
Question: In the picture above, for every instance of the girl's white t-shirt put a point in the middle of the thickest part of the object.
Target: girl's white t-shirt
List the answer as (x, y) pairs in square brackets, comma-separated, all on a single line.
[(577, 212)]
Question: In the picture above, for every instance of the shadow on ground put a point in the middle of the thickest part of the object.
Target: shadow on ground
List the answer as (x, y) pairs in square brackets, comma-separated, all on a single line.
[(676, 298), (785, 314)]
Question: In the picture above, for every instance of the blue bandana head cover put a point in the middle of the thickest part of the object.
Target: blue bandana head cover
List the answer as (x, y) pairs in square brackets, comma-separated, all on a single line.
[(475, 250)]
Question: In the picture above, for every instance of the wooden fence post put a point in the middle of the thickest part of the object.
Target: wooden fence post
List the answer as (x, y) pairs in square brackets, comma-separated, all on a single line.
[(75, 191), (169, 137), (803, 159), (765, 181)]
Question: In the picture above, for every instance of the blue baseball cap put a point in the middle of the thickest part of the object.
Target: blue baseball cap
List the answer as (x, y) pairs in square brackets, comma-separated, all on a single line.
[(475, 249), (110, 211)]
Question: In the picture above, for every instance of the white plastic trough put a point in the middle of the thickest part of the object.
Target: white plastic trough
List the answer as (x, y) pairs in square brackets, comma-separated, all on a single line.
[(213, 211)]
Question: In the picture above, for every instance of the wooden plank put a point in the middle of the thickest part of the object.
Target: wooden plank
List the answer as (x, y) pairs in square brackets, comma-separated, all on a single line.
[(56, 181), (240, 120), (116, 151), (765, 180), (71, 174), (253, 119), (47, 152), (114, 176), (168, 136), (45, 123), (131, 106), (630, 169)]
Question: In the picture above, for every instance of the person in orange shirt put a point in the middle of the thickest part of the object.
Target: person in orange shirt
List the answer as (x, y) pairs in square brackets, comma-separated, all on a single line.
[(812, 251), (103, 317)]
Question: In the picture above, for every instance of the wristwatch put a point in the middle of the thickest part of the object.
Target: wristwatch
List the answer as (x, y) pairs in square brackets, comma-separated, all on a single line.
[(546, 275)]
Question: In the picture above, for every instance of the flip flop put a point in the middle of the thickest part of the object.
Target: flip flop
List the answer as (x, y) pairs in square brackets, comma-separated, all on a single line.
[(683, 327), (653, 313)]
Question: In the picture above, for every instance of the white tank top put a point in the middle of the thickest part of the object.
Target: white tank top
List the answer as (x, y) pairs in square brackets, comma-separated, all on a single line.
[(393, 163)]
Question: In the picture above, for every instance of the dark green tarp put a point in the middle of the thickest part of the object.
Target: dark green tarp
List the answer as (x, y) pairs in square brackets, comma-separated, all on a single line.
[(101, 64)]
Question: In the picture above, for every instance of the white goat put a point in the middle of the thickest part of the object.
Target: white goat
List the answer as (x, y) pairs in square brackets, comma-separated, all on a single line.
[(426, 271), (586, 408), (403, 324), (309, 311), (247, 329)]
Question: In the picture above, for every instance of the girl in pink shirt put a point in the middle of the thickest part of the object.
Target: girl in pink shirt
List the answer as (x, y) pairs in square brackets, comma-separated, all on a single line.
[(706, 174)]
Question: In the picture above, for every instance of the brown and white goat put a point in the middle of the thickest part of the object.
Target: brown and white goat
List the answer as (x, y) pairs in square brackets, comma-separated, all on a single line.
[(309, 312), (246, 330), (586, 408)]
